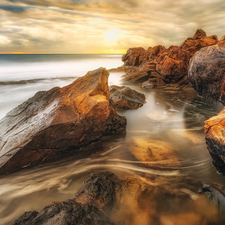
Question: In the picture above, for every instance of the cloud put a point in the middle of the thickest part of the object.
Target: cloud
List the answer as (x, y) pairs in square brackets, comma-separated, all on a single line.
[(14, 8), (83, 26)]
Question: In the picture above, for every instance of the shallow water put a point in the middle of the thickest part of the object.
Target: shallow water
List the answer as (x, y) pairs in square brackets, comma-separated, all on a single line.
[(173, 118)]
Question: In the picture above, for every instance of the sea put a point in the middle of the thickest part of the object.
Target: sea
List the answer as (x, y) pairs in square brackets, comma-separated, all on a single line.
[(174, 118)]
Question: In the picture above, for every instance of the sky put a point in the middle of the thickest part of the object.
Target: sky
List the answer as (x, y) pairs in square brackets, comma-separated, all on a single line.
[(103, 26)]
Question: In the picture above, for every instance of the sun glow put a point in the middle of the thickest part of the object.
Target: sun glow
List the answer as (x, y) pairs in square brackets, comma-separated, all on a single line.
[(112, 36)]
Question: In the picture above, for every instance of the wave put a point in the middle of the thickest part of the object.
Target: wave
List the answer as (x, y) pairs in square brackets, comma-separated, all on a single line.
[(37, 80)]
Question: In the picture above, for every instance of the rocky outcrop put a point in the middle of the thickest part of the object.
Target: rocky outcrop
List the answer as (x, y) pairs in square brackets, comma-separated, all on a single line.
[(207, 71), (64, 213), (170, 65), (58, 122), (215, 139), (125, 98)]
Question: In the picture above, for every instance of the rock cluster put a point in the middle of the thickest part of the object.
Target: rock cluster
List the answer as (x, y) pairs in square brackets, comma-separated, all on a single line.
[(170, 65), (58, 122)]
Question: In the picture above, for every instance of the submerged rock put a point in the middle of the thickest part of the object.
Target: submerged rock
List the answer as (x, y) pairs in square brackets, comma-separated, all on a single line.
[(154, 153), (153, 82), (65, 213), (58, 122), (215, 194), (170, 65), (207, 71), (215, 139), (125, 98)]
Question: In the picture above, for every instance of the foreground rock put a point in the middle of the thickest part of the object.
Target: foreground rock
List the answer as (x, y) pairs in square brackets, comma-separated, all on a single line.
[(170, 65), (125, 98), (207, 73), (58, 122), (215, 139), (65, 213), (128, 200)]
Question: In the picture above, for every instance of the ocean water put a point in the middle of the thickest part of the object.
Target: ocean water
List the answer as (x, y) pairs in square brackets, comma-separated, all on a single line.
[(173, 119), (21, 76)]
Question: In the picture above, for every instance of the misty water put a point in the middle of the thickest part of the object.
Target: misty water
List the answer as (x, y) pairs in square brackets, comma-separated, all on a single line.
[(174, 118)]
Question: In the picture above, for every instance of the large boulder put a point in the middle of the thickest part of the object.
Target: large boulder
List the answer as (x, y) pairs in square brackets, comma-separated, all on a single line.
[(206, 72), (215, 139), (125, 98), (58, 122), (64, 213)]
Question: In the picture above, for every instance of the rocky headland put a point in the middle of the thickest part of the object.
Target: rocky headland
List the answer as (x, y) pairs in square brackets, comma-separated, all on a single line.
[(158, 66), (58, 122)]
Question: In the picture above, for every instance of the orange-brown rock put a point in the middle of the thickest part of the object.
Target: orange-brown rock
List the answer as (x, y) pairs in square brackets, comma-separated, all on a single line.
[(215, 139), (125, 98), (58, 122), (131, 58), (221, 43), (171, 65)]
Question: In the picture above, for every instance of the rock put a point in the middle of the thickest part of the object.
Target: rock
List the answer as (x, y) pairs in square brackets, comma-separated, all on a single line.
[(131, 58), (206, 72), (64, 213), (153, 82), (170, 65), (58, 122), (221, 43), (215, 139), (173, 64), (154, 153), (215, 194), (199, 34), (125, 98), (102, 190)]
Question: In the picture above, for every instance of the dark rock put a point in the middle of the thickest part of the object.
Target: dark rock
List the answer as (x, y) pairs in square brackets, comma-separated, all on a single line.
[(215, 194), (65, 213), (58, 122), (206, 72), (102, 190), (153, 82), (126, 98)]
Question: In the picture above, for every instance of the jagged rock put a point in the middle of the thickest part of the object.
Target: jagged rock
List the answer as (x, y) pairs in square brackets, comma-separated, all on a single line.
[(131, 58), (170, 65), (151, 53), (64, 213), (199, 34), (125, 98), (173, 64), (153, 82), (102, 190), (206, 72), (215, 194), (221, 43), (215, 139), (58, 122)]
